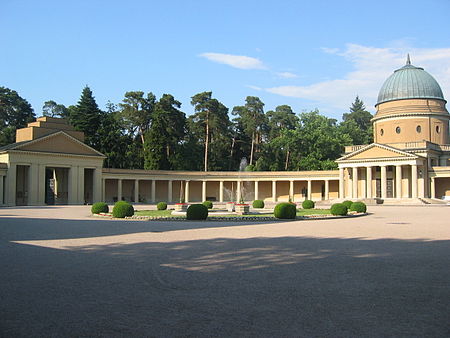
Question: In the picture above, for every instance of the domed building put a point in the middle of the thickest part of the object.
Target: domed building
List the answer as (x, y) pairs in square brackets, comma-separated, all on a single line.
[(411, 149), (408, 162)]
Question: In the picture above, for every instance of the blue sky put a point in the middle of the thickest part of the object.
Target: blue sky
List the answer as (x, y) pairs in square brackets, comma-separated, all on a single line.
[(308, 54)]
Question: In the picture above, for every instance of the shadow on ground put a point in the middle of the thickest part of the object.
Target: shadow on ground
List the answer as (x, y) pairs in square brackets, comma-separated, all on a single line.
[(265, 287)]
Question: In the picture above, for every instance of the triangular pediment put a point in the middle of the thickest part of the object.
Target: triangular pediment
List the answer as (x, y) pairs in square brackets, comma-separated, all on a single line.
[(60, 143), (377, 151)]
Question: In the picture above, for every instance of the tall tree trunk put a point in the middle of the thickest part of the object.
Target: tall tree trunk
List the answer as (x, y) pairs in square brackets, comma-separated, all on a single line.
[(286, 164), (253, 147), (206, 143), (142, 136), (231, 152)]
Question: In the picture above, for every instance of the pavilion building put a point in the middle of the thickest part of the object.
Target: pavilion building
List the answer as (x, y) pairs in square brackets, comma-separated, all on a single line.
[(408, 161)]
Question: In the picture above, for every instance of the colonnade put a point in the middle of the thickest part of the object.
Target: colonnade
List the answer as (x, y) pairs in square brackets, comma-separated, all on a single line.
[(307, 192), (356, 181)]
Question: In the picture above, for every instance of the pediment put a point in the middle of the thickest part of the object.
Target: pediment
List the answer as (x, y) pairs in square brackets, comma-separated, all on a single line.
[(377, 151), (60, 143)]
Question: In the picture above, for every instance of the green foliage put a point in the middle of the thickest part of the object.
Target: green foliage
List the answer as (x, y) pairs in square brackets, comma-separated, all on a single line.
[(123, 209), (53, 109), (208, 204), (85, 117), (285, 211), (308, 204), (15, 113), (258, 204), (99, 207), (197, 212), (339, 209), (347, 203), (250, 167), (357, 124), (358, 207), (161, 206), (164, 137)]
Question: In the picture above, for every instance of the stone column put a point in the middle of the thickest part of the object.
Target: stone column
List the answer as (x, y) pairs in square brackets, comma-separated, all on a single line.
[(97, 185), (33, 184), (433, 188), (291, 190), (327, 190), (186, 192), (80, 183), (349, 185), (136, 191), (153, 191), (398, 181), (355, 182), (256, 190), (383, 182), (2, 198), (169, 191), (414, 180), (369, 182), (308, 196), (341, 183), (103, 189), (221, 191), (203, 191), (274, 191), (238, 192), (119, 189), (10, 190)]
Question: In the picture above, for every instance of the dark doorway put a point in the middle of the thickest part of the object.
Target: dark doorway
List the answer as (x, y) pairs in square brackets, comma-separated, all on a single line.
[(50, 186), (88, 186), (22, 173)]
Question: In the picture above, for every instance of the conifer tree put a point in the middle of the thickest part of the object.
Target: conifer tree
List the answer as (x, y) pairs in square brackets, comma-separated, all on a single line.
[(85, 116)]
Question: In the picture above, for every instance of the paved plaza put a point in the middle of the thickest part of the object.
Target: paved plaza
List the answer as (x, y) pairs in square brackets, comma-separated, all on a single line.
[(66, 274)]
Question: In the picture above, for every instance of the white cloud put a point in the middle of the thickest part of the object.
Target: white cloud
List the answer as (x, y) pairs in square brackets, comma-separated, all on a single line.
[(371, 67), (286, 75), (236, 61), (254, 87)]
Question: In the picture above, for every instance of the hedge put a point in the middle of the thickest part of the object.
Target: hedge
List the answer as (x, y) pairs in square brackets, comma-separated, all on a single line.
[(358, 207), (161, 206), (197, 212), (347, 203), (285, 210), (99, 207), (308, 204), (339, 209), (208, 204), (123, 209), (258, 204)]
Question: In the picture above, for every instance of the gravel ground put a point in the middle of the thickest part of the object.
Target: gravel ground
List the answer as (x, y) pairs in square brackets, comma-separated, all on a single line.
[(66, 274)]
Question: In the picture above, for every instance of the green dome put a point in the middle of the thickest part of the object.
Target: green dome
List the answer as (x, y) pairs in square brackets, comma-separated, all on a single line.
[(410, 82)]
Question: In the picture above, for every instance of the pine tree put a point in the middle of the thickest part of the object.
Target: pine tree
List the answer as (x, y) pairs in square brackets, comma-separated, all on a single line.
[(85, 117), (358, 123)]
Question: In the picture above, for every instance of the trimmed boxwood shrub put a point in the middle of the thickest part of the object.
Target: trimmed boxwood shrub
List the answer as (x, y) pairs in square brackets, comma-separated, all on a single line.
[(347, 203), (308, 204), (197, 212), (258, 204), (161, 206), (358, 207), (123, 209), (339, 209), (285, 210), (99, 207), (208, 204)]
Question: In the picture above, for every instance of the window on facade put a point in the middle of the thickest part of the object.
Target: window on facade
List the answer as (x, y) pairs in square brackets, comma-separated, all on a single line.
[(381, 132), (419, 129), (438, 129), (398, 130)]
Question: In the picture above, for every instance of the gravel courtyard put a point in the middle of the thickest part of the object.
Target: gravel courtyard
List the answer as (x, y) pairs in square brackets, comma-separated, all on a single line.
[(67, 274)]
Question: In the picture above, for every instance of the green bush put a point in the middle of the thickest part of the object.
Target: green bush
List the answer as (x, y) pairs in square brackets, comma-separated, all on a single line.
[(285, 210), (197, 212), (161, 206), (358, 207), (339, 209), (208, 204), (347, 203), (99, 207), (308, 204), (123, 209), (258, 204)]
